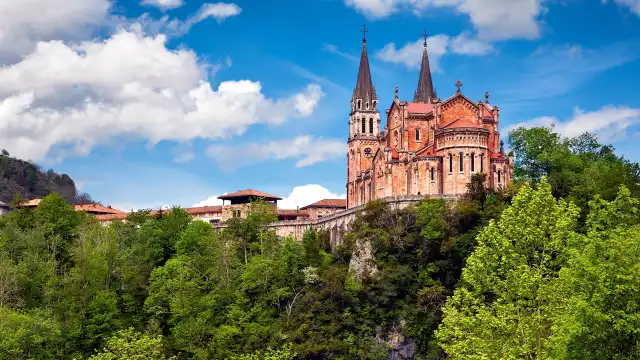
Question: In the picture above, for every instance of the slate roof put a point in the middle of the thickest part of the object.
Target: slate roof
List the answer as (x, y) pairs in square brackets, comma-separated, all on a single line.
[(425, 92), (364, 86)]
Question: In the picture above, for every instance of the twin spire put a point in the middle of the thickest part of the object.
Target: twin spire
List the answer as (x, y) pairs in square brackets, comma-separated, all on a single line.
[(365, 91)]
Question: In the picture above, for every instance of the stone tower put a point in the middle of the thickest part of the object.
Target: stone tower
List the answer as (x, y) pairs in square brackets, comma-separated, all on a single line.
[(425, 92), (364, 130)]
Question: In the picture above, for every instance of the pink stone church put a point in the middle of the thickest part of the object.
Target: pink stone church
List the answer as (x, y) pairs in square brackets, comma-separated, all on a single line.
[(427, 147)]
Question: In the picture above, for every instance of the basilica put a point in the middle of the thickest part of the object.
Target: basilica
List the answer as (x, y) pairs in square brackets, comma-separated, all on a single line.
[(428, 146)]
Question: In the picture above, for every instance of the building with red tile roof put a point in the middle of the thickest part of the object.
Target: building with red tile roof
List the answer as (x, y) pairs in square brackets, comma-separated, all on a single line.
[(427, 146), (325, 207)]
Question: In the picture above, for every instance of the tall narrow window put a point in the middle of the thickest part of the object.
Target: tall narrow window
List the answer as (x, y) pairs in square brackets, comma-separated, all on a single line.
[(481, 163), (450, 163), (371, 125), (417, 134), (432, 174), (461, 163), (473, 162), (359, 103), (364, 126), (499, 173)]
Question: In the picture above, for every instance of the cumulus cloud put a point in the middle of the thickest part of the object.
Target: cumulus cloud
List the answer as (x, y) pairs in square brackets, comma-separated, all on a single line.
[(609, 123), (24, 23), (64, 99), (494, 20), (633, 5), (163, 4), (410, 55), (306, 149), (307, 194), (300, 196)]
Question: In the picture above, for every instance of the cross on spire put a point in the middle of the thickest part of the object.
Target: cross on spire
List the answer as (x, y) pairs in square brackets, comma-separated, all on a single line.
[(458, 85), (364, 33), (425, 37)]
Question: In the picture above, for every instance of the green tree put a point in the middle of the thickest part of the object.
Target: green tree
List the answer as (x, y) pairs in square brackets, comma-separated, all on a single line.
[(602, 317), (130, 345), (510, 292)]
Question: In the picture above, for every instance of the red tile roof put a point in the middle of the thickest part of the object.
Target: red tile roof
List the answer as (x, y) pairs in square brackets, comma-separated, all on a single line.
[(249, 192), (112, 217), (97, 208), (419, 108), (496, 156), (203, 210), (286, 212), (327, 203)]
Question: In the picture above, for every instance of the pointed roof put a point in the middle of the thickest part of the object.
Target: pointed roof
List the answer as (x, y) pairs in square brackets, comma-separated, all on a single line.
[(425, 92), (249, 193), (364, 87)]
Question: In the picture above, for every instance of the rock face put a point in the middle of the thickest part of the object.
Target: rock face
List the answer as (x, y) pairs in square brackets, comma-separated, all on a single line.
[(400, 347), (362, 264)]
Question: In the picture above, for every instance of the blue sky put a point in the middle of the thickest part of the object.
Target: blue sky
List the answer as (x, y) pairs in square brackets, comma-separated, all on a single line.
[(173, 102)]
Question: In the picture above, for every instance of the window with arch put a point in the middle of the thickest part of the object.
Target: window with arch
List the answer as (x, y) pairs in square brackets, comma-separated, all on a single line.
[(433, 174), (450, 162), (375, 103), (481, 163), (364, 125), (371, 125), (461, 162), (417, 134), (473, 162), (359, 104), (367, 105), (499, 177)]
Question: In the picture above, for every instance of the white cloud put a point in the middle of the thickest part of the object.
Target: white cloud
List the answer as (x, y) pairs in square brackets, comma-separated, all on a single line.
[(493, 19), (210, 201), (163, 4), (306, 149), (609, 123), (24, 22), (307, 194), (219, 11), (300, 196), (64, 99), (177, 27), (633, 5), (410, 55)]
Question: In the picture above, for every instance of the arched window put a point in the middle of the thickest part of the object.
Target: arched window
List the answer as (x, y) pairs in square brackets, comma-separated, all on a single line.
[(417, 134), (481, 163), (359, 104), (461, 163), (364, 125), (371, 125), (473, 162), (433, 174), (450, 163), (374, 103), (499, 173)]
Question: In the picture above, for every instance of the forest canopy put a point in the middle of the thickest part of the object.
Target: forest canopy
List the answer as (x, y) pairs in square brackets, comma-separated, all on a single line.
[(546, 268)]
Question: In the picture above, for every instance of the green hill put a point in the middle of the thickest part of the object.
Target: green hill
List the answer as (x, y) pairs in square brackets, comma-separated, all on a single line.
[(31, 182)]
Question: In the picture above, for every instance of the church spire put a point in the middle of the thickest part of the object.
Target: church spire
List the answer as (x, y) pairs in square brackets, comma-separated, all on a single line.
[(364, 90), (425, 92)]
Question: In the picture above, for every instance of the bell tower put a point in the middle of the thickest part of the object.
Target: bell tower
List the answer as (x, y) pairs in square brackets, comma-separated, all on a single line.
[(364, 129)]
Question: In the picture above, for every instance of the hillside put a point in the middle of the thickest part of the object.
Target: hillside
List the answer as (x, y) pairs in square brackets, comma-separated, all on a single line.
[(28, 179)]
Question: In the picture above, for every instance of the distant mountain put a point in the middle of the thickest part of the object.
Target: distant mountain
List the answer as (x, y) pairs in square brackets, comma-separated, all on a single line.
[(28, 179)]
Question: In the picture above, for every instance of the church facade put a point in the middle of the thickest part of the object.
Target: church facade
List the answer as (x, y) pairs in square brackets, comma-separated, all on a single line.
[(427, 146)]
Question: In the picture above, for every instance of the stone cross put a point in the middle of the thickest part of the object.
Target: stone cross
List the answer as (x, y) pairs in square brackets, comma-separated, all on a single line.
[(364, 33), (458, 85), (486, 97), (396, 91)]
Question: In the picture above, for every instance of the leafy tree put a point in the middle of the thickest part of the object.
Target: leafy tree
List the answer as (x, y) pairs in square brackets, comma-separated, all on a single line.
[(602, 316), (28, 335), (509, 293), (130, 345)]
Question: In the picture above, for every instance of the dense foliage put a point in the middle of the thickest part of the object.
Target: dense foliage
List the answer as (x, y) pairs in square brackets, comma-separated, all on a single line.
[(30, 181), (489, 276)]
